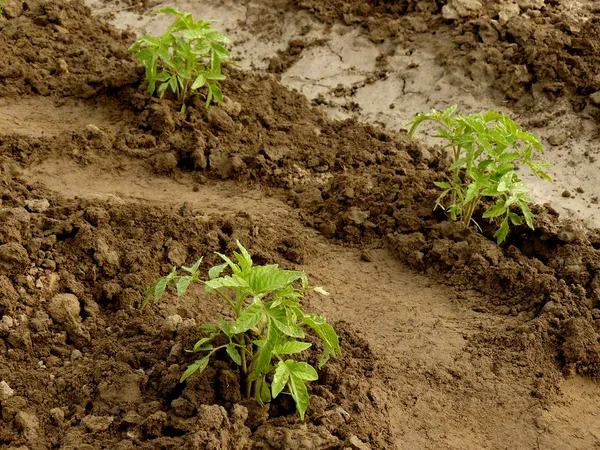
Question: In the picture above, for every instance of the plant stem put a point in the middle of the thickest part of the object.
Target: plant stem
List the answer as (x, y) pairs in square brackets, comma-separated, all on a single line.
[(237, 313), (456, 151), (470, 210)]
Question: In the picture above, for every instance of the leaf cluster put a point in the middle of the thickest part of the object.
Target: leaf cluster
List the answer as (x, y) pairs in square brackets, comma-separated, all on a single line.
[(185, 58), (486, 150), (268, 328)]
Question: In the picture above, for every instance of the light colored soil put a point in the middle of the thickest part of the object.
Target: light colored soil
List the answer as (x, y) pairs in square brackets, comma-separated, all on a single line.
[(415, 82)]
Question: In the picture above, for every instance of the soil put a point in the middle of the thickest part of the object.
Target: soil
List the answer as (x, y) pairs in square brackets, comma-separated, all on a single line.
[(449, 341)]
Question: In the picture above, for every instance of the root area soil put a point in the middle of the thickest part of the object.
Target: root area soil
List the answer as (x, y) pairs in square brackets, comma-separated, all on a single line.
[(104, 189)]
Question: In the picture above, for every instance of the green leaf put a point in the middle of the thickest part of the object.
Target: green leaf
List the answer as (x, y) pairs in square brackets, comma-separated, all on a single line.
[(183, 284), (221, 51), (229, 282), (302, 370), (225, 327), (234, 354), (516, 220), (194, 268), (274, 338), (216, 92), (443, 184), (527, 214), (214, 76), (201, 343), (173, 84), (299, 394), (197, 366), (331, 344), (199, 82), (265, 393), (270, 278), (215, 271), (280, 379), (234, 267), (249, 318), (208, 328), (279, 318), (291, 347), (159, 290), (168, 10), (244, 258), (502, 232), (494, 211)]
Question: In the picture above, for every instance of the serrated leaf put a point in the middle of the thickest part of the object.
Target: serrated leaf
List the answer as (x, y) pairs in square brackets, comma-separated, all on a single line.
[(225, 327), (234, 354), (215, 271), (262, 279), (527, 214), (274, 338), (265, 392), (302, 370), (197, 366), (299, 393), (168, 10), (159, 289), (291, 347), (502, 232), (201, 343), (494, 211), (516, 220), (443, 184), (248, 319), (208, 328), (229, 282), (331, 344), (183, 284), (280, 379), (216, 92), (279, 318), (194, 268), (199, 82), (234, 267), (243, 257)]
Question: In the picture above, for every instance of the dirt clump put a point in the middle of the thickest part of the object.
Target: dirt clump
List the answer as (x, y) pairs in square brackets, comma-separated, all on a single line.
[(54, 48)]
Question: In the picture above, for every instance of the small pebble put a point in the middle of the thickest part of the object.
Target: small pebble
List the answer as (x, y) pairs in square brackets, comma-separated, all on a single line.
[(566, 194), (5, 391)]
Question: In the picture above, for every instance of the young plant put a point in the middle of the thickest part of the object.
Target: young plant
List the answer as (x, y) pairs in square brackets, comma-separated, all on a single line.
[(486, 149), (184, 59), (267, 328)]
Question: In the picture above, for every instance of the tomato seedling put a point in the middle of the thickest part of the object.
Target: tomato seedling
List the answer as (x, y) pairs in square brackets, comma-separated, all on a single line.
[(185, 58), (268, 326), (485, 151)]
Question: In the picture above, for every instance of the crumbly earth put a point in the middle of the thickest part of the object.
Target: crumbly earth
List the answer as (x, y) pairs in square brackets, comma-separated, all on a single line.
[(104, 189)]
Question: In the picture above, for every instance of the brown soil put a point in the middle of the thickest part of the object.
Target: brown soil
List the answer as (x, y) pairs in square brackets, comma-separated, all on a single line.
[(532, 51), (104, 189)]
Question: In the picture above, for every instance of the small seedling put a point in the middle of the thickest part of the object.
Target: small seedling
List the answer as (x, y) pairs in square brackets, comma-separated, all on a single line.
[(268, 326), (184, 59), (486, 149)]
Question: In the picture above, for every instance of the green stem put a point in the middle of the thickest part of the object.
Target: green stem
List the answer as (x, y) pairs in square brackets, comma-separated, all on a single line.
[(456, 151), (470, 210), (227, 299)]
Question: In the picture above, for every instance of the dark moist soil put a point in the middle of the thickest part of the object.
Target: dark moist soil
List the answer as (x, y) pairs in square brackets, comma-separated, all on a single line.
[(106, 374), (532, 51)]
